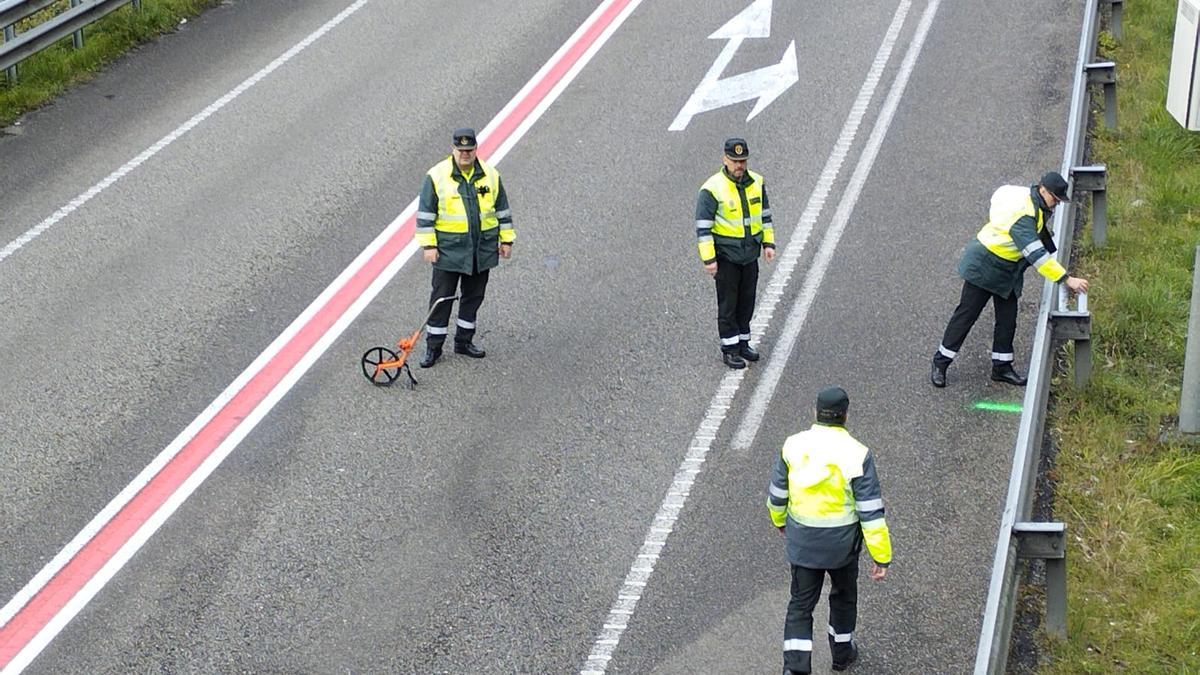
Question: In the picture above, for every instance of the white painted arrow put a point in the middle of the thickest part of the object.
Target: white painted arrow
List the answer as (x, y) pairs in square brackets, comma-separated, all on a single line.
[(765, 84)]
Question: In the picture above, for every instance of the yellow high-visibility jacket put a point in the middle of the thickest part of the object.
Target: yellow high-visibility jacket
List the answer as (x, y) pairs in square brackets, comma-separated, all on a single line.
[(826, 491), (1011, 241), (733, 219), (465, 217)]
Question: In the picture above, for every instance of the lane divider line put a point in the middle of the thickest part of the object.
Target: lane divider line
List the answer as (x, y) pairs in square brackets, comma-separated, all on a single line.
[(23, 596), (765, 389), (40, 610), (37, 230), (634, 585)]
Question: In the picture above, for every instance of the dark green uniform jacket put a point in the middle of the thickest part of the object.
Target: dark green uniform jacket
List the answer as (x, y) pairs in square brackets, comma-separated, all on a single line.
[(746, 249), (476, 250), (982, 268)]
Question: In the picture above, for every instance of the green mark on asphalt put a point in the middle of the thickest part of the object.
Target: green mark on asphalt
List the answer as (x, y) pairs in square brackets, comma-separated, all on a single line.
[(998, 406)]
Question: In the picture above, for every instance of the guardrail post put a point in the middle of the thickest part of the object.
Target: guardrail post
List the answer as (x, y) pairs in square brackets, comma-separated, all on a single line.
[(10, 33), (1048, 542), (1093, 179), (1189, 399), (1114, 17), (77, 36), (1105, 73), (1075, 325)]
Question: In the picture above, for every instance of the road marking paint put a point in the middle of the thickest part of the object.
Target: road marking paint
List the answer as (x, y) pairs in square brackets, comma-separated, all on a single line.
[(765, 84), (795, 321), (630, 593), (37, 230), (40, 610), (998, 406)]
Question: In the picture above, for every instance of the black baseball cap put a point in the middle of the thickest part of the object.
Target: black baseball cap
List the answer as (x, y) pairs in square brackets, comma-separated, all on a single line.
[(832, 404), (1056, 184), (736, 148), (464, 139)]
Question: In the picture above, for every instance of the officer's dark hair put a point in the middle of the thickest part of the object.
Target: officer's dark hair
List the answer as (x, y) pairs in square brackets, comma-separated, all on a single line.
[(832, 404)]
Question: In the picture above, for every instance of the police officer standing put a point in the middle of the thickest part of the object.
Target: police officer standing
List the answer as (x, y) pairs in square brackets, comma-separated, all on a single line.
[(825, 499), (464, 226), (1016, 236), (733, 225)]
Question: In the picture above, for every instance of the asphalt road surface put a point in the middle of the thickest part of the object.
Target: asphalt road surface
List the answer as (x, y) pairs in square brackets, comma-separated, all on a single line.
[(486, 521)]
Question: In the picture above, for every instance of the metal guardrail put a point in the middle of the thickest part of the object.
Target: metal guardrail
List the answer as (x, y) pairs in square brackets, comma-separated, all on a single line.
[(1017, 538), (18, 47)]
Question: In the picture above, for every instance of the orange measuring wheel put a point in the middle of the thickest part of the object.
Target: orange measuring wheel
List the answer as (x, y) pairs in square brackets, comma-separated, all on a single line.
[(382, 366)]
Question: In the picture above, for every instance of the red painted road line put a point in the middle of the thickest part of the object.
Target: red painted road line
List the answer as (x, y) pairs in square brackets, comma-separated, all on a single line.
[(51, 599)]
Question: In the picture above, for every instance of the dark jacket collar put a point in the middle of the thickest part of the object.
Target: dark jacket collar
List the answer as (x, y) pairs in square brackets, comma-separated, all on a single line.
[(746, 179)]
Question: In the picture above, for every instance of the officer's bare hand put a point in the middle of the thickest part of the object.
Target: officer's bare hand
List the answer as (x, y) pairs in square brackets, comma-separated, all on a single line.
[(878, 571), (1076, 284), (505, 250), (431, 255), (711, 268), (782, 530), (769, 253)]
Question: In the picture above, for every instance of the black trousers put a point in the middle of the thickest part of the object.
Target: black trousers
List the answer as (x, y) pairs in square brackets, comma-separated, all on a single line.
[(737, 286), (843, 614), (447, 284), (967, 313)]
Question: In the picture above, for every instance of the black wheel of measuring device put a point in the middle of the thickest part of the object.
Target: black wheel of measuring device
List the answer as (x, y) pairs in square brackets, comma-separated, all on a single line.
[(370, 366)]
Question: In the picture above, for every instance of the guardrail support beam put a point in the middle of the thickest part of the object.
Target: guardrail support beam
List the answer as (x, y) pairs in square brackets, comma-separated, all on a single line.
[(1075, 325), (1048, 542), (77, 36), (1093, 179), (1105, 73), (1114, 16), (10, 33)]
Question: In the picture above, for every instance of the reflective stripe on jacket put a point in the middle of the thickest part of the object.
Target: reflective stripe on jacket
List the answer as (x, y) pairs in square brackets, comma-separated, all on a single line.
[(733, 218), (825, 489), (464, 218), (1013, 239)]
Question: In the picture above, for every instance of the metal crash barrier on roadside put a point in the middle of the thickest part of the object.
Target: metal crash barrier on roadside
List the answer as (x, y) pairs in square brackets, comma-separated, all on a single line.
[(1019, 537)]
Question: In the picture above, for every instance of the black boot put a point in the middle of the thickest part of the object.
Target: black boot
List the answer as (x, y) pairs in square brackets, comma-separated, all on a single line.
[(937, 374), (842, 665), (747, 352), (469, 349), (732, 360), (432, 354), (1004, 373)]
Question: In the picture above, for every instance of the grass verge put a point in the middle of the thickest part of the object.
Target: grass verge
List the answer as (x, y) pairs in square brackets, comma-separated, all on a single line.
[(1131, 500), (48, 73)]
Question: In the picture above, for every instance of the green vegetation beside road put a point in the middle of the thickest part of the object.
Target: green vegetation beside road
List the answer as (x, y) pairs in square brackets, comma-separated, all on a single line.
[(46, 74), (1131, 500)]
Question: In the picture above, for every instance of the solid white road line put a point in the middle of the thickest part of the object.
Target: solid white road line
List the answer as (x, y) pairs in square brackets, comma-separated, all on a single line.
[(621, 612), (37, 230), (55, 564), (779, 356), (509, 125)]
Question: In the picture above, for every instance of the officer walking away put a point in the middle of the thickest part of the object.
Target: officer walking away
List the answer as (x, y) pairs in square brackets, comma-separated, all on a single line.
[(464, 226), (733, 225), (1016, 236), (824, 497)]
